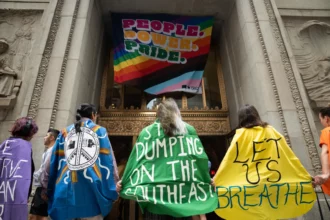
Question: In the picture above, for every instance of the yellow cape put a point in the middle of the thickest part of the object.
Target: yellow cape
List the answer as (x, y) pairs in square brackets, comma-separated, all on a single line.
[(261, 178)]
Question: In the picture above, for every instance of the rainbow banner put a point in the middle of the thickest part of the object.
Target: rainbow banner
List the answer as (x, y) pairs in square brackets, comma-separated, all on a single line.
[(161, 53)]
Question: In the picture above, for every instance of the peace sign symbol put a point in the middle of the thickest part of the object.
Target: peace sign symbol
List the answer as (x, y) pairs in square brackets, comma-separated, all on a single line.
[(81, 149)]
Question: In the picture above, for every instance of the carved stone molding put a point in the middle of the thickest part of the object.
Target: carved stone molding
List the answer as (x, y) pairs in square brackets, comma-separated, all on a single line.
[(271, 74), (103, 94), (63, 67), (122, 124), (213, 127), (34, 104), (222, 85), (17, 35), (152, 113), (310, 43), (124, 128), (8, 102), (9, 85), (308, 136)]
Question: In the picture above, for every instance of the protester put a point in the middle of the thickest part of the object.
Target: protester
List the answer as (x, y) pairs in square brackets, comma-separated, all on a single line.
[(324, 116), (39, 204), (83, 171), (261, 169), (17, 168), (167, 171)]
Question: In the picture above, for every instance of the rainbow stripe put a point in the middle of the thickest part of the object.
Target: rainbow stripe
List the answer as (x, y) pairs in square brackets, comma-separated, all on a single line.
[(74, 176), (97, 171), (156, 76), (95, 128), (65, 168), (60, 153), (104, 151)]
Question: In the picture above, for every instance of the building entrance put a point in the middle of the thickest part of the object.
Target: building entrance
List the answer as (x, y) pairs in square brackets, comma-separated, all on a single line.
[(126, 110)]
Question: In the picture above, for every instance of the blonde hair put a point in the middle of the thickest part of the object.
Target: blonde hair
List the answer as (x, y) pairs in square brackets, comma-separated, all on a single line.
[(169, 116)]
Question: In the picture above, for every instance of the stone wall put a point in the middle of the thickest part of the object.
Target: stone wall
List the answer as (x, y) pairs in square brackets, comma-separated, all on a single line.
[(20, 24), (66, 64), (307, 27), (76, 66), (260, 66), (244, 66), (258, 71), (82, 79), (59, 53)]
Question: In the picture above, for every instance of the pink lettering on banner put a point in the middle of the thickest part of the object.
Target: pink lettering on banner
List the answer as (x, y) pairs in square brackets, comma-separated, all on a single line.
[(157, 26), (143, 24), (180, 31), (128, 24), (169, 28), (193, 31)]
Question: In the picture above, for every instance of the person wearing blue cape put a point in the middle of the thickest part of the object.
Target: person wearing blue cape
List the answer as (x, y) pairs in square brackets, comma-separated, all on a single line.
[(83, 171)]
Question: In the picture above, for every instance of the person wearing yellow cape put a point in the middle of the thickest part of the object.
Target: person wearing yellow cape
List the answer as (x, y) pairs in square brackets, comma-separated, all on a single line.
[(260, 177)]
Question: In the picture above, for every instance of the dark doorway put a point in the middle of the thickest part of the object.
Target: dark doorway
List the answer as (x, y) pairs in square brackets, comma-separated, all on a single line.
[(215, 148), (121, 146)]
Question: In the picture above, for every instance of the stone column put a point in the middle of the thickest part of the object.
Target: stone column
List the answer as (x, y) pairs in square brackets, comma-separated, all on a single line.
[(257, 73), (258, 70), (82, 80), (70, 68), (29, 36)]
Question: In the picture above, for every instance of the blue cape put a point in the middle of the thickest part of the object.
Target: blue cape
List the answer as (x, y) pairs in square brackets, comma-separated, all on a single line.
[(86, 190)]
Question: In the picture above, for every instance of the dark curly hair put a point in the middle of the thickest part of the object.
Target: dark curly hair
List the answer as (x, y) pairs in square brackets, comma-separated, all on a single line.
[(24, 127)]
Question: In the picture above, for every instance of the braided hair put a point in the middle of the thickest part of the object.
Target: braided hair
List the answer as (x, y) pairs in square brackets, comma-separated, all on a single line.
[(84, 111)]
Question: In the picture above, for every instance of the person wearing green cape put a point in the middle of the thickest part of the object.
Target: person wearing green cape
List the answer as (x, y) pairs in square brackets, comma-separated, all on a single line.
[(167, 171)]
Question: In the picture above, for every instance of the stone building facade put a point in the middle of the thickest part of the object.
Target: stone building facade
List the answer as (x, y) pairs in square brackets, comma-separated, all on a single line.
[(274, 54)]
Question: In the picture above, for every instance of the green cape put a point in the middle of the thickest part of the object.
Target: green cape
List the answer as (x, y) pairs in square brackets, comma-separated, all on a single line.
[(169, 175)]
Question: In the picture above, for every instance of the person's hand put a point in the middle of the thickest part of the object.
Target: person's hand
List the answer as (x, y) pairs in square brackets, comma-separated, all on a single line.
[(313, 182), (118, 186), (212, 182), (320, 179)]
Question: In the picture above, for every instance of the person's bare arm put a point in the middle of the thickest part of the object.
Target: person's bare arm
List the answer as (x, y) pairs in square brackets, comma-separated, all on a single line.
[(45, 176), (320, 179), (118, 186)]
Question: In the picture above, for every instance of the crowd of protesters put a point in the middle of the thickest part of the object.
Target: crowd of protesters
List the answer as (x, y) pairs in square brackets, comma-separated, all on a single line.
[(78, 176)]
